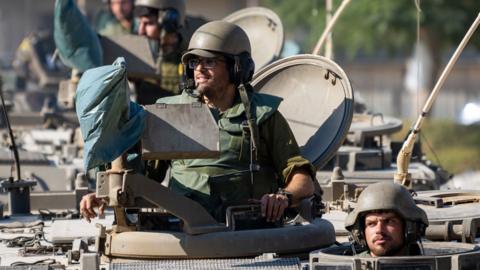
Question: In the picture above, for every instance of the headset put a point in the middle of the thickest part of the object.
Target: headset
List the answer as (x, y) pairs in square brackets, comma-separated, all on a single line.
[(242, 68), (169, 20)]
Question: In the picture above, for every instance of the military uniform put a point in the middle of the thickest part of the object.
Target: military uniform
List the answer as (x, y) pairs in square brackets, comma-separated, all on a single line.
[(414, 251), (114, 28), (170, 69), (108, 25), (388, 196), (217, 183), (171, 16), (364, 254)]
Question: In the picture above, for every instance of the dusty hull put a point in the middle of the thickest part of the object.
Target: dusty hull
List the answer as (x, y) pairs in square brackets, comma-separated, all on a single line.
[(287, 240), (438, 256), (61, 234)]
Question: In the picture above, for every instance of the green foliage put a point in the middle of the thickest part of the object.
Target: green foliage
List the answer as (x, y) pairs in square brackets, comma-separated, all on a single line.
[(373, 25), (457, 147)]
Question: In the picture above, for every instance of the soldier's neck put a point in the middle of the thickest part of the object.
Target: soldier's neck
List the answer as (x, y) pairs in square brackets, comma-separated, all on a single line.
[(401, 252), (127, 24)]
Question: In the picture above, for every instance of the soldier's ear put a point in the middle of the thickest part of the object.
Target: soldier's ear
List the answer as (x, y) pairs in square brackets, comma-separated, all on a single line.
[(240, 68), (413, 231), (358, 236)]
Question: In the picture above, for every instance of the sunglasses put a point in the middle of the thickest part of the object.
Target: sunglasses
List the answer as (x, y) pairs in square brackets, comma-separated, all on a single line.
[(208, 63)]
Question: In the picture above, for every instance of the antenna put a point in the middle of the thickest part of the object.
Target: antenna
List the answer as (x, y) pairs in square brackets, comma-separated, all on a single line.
[(12, 139), (18, 190), (329, 27), (403, 159)]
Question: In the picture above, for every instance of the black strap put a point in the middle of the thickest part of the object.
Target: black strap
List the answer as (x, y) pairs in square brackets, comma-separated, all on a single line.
[(251, 120), (253, 130)]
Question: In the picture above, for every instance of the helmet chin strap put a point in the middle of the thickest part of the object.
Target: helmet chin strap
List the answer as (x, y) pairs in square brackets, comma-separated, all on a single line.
[(252, 129), (188, 85)]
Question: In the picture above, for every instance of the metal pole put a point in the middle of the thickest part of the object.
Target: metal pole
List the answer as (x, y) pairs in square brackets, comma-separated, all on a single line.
[(403, 159), (330, 26), (328, 18), (12, 139)]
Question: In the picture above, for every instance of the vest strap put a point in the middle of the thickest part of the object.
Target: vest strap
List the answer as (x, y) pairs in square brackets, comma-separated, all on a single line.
[(253, 130)]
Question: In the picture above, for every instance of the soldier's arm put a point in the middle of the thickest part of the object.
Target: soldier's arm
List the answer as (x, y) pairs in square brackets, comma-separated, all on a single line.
[(295, 170), (300, 185)]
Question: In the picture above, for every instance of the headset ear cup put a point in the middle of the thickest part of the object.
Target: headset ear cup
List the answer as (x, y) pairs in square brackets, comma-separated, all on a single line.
[(358, 237), (231, 74), (237, 71), (243, 68), (249, 69), (188, 72), (188, 82), (413, 231), (240, 68)]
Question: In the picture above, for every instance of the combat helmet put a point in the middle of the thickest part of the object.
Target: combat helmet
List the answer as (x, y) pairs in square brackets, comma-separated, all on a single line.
[(387, 196), (221, 38), (171, 13)]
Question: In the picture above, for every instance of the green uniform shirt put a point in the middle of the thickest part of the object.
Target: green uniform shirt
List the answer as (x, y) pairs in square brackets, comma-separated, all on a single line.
[(218, 183), (114, 28), (171, 71), (364, 254), (414, 250), (110, 26)]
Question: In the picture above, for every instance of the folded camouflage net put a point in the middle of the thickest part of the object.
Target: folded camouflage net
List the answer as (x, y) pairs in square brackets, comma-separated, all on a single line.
[(109, 121), (78, 45)]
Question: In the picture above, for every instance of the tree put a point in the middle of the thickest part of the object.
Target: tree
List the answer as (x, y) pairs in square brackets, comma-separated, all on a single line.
[(372, 26)]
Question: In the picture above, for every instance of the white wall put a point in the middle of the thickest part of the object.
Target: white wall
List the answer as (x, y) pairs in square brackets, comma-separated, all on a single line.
[(20, 17)]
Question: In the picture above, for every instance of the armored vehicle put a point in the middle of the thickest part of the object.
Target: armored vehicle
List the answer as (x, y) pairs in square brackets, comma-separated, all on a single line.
[(190, 239), (437, 255), (187, 231), (451, 215), (369, 155), (179, 227), (450, 241), (173, 232)]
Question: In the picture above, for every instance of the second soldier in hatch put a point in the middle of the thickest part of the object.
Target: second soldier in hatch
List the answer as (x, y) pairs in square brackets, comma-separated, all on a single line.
[(118, 20), (387, 222), (161, 22)]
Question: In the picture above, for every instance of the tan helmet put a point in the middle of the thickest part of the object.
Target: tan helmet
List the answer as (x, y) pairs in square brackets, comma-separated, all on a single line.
[(227, 39), (387, 196), (217, 37), (178, 5)]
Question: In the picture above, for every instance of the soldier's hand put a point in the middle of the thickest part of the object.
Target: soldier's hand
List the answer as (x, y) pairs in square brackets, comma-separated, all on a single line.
[(87, 205), (273, 206)]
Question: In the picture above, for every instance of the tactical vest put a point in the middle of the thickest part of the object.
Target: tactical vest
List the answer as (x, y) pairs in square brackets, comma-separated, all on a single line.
[(218, 183), (150, 90), (171, 74), (114, 28)]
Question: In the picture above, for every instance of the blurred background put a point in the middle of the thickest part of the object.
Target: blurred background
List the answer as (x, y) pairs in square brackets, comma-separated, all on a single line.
[(392, 51)]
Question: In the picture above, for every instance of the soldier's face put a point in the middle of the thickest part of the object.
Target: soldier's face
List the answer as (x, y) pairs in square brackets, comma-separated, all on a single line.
[(122, 9), (384, 233), (169, 43), (148, 26), (211, 76)]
